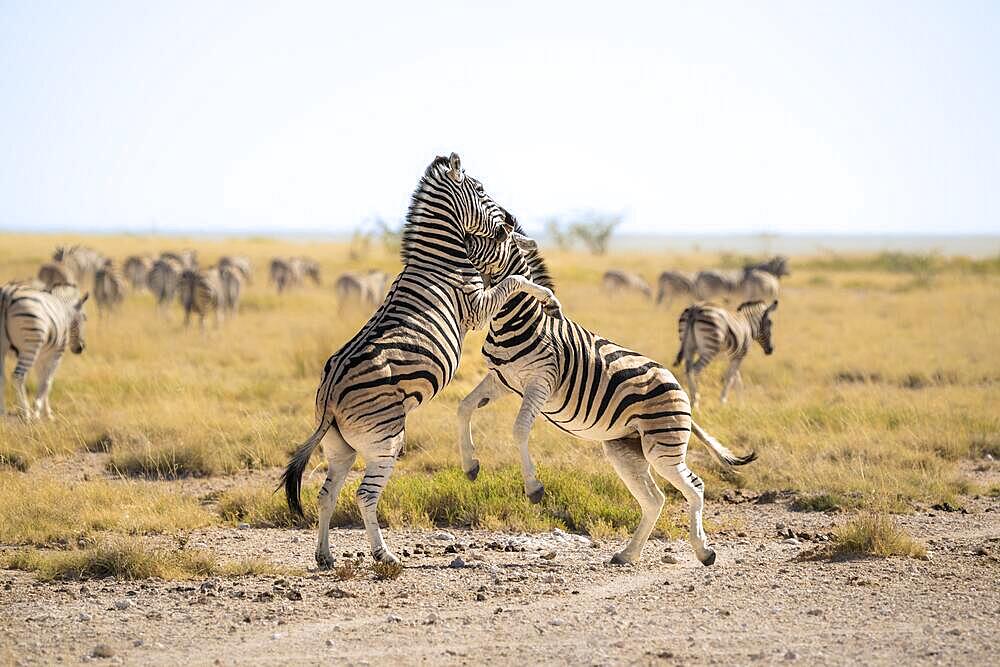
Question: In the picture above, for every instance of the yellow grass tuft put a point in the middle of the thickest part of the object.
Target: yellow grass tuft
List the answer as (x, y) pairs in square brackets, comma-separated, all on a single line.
[(872, 534)]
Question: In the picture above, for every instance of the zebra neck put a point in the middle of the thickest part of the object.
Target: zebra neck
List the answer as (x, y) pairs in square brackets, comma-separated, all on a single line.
[(521, 310), (752, 317), (435, 243)]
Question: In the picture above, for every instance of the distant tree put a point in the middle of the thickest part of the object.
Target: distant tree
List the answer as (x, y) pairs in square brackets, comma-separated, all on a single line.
[(554, 230), (594, 231), (390, 235), (361, 244)]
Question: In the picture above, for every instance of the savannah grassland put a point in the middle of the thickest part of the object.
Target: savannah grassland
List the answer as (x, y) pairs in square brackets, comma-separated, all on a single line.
[(882, 394)]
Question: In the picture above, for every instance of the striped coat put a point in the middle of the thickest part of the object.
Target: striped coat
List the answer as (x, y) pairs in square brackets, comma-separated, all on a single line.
[(37, 326)]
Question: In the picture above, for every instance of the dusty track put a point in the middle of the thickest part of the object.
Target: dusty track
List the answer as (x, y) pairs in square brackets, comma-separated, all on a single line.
[(757, 604)]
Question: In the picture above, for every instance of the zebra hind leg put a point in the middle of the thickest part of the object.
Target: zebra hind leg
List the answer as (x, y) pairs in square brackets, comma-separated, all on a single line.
[(24, 364), (379, 461), (668, 460), (46, 372), (627, 458), (340, 457), (534, 398), (484, 392)]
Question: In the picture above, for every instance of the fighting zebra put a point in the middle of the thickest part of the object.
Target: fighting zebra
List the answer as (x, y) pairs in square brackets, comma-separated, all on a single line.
[(136, 268), (51, 274), (705, 330), (673, 284), (410, 348), (162, 281), (109, 288), (38, 326), (200, 292), (616, 281), (590, 388), (354, 288)]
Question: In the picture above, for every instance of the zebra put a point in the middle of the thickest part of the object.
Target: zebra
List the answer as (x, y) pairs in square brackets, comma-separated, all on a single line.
[(307, 268), (714, 283), (81, 261), (616, 280), (187, 259), (360, 288), (290, 272), (777, 266), (109, 288), (758, 285), (162, 281), (706, 329), (410, 348), (588, 387), (53, 273), (136, 268), (231, 279), (38, 326), (200, 292), (671, 284), (241, 264)]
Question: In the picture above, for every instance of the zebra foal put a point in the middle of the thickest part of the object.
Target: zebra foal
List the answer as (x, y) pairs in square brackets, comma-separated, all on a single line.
[(409, 349), (705, 330), (590, 388), (38, 326)]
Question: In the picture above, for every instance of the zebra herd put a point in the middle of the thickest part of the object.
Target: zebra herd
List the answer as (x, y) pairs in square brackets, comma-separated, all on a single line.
[(467, 264)]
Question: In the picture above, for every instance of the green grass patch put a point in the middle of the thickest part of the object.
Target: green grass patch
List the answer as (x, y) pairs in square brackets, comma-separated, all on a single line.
[(819, 502)]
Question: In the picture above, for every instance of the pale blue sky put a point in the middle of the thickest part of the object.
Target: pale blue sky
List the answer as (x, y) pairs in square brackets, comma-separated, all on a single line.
[(688, 117)]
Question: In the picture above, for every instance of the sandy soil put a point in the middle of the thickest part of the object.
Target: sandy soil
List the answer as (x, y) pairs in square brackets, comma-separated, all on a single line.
[(544, 598)]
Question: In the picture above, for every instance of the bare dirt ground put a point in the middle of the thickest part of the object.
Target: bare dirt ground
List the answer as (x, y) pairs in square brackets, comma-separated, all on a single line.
[(549, 598)]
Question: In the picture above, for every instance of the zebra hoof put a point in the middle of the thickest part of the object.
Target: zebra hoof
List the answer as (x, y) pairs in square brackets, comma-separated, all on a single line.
[(473, 472), (709, 558), (620, 559), (536, 496), (387, 557), (324, 561)]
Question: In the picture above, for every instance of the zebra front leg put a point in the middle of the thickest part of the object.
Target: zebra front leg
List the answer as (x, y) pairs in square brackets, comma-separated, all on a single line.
[(340, 457), (534, 398), (626, 456), (379, 461), (484, 392), (46, 372)]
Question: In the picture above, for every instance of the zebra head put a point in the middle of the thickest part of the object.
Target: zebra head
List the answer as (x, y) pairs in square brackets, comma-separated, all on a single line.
[(78, 318), (475, 210), (498, 257), (758, 316)]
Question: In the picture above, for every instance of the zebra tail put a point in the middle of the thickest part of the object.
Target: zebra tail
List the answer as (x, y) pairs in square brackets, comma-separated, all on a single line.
[(720, 451), (291, 478), (688, 333)]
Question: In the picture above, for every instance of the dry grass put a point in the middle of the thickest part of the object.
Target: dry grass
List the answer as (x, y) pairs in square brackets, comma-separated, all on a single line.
[(129, 558), (43, 511), (866, 397), (872, 534)]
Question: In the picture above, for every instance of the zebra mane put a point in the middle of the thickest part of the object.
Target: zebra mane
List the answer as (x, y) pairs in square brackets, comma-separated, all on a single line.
[(536, 265), (417, 207)]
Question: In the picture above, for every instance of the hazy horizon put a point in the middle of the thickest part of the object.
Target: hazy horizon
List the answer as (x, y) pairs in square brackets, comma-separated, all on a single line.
[(246, 118)]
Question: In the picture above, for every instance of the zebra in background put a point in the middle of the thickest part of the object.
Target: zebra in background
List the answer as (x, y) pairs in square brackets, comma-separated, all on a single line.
[(354, 288), (109, 288), (617, 281), (777, 266), (162, 281), (38, 326), (231, 279), (200, 292), (81, 261), (758, 285), (240, 264), (290, 272), (590, 388), (705, 330), (136, 268), (51, 274), (187, 259), (716, 284), (673, 284), (410, 348)]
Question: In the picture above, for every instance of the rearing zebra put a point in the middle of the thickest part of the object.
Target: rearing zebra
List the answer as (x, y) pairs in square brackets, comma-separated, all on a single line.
[(409, 349), (590, 388), (706, 330), (38, 326)]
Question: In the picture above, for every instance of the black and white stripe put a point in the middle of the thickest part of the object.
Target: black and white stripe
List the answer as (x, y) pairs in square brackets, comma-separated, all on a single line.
[(109, 288), (136, 269), (705, 330), (162, 281), (410, 348), (591, 388), (200, 292), (38, 326)]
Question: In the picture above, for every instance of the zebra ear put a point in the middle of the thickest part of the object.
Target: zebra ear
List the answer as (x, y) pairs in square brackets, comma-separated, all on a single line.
[(79, 304), (524, 243), (455, 168), (773, 307)]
